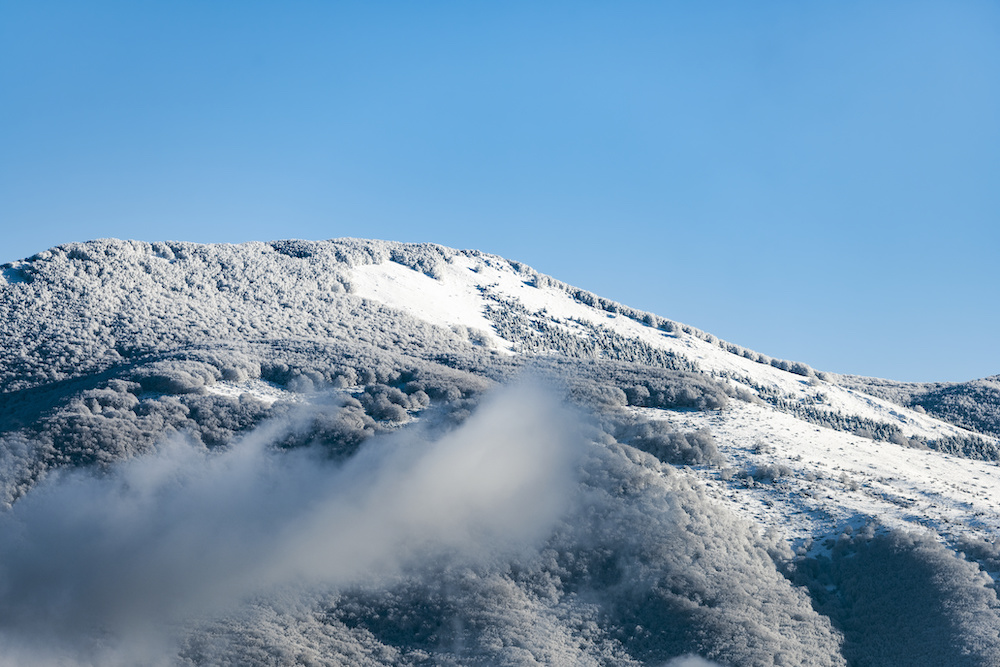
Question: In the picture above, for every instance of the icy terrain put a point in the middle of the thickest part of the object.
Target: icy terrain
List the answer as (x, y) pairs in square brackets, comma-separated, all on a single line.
[(302, 453), (834, 479)]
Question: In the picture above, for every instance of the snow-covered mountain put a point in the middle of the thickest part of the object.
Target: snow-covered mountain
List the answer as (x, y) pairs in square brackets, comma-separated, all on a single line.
[(364, 452)]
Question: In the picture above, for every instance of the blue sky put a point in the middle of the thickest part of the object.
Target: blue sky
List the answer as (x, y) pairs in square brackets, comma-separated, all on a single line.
[(818, 181)]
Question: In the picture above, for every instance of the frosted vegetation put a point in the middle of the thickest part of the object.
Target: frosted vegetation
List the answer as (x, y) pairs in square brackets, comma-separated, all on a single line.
[(230, 455), (974, 405)]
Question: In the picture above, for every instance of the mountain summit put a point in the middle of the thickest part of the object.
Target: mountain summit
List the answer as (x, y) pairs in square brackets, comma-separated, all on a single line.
[(366, 452)]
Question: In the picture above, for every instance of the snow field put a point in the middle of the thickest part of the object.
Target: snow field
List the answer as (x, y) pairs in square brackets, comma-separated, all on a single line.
[(832, 480)]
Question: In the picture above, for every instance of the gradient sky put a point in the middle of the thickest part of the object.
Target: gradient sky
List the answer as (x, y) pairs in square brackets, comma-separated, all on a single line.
[(819, 181)]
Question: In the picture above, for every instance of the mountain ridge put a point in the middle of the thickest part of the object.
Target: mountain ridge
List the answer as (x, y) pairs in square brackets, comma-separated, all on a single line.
[(353, 253), (114, 349)]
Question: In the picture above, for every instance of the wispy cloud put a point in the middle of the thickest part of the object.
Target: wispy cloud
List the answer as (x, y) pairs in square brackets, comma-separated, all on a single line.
[(93, 565)]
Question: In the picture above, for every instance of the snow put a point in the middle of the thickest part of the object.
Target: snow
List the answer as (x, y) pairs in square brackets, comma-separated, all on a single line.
[(879, 479), (295, 309), (446, 303), (266, 392), (456, 298), (838, 479)]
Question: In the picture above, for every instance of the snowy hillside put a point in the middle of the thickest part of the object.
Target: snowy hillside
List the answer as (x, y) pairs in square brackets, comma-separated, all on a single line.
[(301, 453)]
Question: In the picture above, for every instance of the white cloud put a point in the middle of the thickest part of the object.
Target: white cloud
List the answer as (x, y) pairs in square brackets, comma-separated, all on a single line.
[(90, 560)]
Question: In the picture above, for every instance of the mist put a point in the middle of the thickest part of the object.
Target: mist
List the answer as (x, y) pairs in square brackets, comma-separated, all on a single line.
[(106, 566)]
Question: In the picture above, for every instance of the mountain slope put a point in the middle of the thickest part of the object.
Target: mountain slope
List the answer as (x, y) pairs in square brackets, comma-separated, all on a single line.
[(346, 380), (973, 405)]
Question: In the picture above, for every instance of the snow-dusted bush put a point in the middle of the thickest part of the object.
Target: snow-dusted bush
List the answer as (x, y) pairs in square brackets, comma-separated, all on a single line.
[(969, 446), (681, 390), (796, 367), (598, 396), (904, 599), (670, 446), (767, 473)]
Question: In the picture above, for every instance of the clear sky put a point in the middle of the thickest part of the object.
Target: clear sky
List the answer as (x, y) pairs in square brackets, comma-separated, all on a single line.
[(819, 181)]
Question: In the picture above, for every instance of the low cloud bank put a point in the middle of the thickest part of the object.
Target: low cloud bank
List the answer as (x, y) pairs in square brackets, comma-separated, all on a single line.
[(93, 566)]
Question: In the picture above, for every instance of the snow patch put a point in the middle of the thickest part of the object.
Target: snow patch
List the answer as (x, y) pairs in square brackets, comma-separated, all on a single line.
[(264, 391), (446, 303)]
